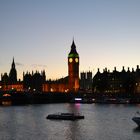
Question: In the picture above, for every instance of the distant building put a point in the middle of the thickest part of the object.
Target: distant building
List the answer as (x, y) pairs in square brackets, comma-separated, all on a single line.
[(124, 83), (9, 82), (86, 81), (34, 81), (13, 74)]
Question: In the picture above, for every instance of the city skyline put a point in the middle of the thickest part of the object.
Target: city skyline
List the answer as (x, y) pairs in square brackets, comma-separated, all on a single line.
[(38, 34)]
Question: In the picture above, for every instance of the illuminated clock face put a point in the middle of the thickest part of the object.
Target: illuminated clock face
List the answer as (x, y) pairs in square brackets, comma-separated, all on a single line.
[(70, 60), (76, 60)]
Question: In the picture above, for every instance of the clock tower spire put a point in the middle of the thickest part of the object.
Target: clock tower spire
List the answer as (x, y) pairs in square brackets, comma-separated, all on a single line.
[(73, 69)]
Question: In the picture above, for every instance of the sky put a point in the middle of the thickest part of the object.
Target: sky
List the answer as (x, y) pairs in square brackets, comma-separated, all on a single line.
[(39, 34)]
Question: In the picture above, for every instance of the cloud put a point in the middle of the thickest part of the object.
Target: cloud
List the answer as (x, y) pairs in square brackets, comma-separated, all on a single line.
[(19, 64), (39, 65)]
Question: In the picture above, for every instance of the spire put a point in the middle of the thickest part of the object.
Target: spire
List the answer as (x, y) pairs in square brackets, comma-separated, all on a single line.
[(13, 63), (13, 73), (73, 45), (13, 58), (73, 52)]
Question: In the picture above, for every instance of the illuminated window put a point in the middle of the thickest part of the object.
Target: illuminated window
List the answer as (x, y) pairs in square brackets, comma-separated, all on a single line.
[(52, 90)]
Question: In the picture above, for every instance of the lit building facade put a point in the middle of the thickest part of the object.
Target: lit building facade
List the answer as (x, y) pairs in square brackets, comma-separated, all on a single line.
[(60, 85)]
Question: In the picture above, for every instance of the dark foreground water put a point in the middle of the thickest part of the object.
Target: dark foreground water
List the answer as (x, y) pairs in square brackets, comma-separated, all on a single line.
[(102, 122)]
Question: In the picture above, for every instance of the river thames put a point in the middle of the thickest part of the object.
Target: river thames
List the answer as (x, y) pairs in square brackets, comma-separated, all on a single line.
[(102, 122)]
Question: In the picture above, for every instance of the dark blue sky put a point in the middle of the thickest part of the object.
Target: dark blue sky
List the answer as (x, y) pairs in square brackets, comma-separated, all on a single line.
[(39, 33)]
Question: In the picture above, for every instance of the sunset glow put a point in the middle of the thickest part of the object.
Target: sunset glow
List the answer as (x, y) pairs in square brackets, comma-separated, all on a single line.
[(38, 33)]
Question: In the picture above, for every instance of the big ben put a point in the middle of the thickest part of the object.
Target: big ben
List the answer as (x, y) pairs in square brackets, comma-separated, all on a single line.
[(73, 69)]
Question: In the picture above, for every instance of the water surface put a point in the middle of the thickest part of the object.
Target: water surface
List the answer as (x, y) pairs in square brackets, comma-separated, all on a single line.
[(102, 122)]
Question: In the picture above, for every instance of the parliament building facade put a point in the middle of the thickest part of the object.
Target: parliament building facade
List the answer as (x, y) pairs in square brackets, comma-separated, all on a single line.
[(36, 81), (125, 83)]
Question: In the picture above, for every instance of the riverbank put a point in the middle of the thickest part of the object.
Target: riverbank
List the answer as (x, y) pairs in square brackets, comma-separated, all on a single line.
[(17, 98)]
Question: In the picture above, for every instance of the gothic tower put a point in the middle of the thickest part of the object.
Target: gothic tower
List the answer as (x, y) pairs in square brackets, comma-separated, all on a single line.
[(73, 69), (13, 73)]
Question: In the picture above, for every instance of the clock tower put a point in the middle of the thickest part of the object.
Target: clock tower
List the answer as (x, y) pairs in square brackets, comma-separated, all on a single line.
[(73, 69)]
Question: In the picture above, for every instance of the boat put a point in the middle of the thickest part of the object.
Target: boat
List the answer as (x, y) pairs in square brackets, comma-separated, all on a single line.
[(65, 116), (136, 119)]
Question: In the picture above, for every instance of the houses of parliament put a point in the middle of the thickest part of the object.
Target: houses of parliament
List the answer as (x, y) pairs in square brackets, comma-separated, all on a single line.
[(124, 83), (36, 81)]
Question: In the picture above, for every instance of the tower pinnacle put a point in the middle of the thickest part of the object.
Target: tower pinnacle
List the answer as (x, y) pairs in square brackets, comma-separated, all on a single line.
[(13, 63), (73, 52)]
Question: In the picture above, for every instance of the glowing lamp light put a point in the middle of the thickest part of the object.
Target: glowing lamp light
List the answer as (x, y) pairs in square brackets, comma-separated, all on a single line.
[(6, 95), (78, 99), (52, 90), (66, 90)]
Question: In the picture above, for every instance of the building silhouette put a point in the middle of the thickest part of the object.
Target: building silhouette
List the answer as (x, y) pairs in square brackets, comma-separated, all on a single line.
[(37, 82), (86, 81), (125, 83), (12, 77), (13, 73), (9, 82), (34, 81)]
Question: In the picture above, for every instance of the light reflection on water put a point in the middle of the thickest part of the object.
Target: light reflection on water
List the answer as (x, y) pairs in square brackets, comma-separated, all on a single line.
[(102, 122)]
